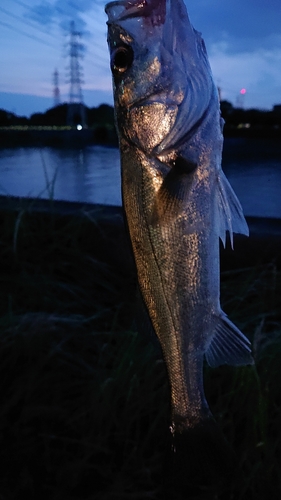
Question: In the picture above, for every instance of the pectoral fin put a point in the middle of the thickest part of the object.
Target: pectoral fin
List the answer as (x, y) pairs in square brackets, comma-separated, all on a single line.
[(171, 197), (229, 345), (230, 212)]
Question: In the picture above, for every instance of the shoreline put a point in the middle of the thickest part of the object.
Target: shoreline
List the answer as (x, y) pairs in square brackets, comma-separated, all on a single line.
[(52, 137), (261, 247), (102, 135)]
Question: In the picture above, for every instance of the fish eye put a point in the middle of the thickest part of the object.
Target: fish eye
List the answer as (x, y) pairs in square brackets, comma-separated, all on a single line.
[(121, 59)]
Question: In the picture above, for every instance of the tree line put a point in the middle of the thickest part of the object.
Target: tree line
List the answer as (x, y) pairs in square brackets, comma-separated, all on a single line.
[(103, 116)]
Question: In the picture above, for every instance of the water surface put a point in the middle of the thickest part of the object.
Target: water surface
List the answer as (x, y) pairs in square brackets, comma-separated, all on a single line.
[(92, 174)]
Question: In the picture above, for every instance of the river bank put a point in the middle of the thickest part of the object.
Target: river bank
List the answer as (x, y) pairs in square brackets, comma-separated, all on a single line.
[(85, 398), (262, 246)]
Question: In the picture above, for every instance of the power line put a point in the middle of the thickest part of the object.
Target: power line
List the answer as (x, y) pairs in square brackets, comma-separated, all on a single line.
[(22, 4), (56, 23), (97, 58), (28, 8), (73, 6), (18, 18), (99, 61), (33, 37)]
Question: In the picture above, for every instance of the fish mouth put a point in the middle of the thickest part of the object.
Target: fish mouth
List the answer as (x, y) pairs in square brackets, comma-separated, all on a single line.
[(154, 10), (112, 12)]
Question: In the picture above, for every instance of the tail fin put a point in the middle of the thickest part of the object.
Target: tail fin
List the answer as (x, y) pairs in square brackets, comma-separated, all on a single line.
[(199, 461)]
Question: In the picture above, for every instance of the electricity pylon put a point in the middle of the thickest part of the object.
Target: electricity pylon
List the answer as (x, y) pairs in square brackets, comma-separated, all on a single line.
[(76, 110), (56, 88)]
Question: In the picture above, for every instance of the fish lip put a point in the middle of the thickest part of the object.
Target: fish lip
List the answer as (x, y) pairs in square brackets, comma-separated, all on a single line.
[(134, 11), (115, 2), (110, 5), (139, 8)]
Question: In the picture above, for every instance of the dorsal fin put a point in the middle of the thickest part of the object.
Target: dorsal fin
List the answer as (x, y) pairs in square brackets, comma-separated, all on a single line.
[(230, 214)]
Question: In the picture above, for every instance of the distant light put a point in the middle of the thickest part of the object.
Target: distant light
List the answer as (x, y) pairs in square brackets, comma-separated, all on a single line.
[(79, 127), (243, 91)]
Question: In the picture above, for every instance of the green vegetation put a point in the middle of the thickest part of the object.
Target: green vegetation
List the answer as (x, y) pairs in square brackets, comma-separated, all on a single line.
[(57, 116), (84, 399), (56, 128), (250, 122)]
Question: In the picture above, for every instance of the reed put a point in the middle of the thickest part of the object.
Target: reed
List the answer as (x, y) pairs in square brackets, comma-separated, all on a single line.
[(84, 398)]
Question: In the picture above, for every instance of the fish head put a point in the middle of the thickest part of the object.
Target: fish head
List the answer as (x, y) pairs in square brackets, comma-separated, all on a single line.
[(162, 80)]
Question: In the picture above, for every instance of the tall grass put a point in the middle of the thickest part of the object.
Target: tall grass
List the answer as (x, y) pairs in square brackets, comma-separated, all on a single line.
[(84, 398)]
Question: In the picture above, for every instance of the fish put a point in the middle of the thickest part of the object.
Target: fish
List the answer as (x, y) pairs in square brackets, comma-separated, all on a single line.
[(177, 202)]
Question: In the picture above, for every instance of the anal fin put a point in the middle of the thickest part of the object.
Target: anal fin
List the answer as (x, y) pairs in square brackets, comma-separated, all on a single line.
[(229, 345)]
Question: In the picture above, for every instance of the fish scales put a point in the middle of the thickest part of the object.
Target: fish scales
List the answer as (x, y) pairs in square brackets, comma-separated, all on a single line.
[(176, 199), (170, 273)]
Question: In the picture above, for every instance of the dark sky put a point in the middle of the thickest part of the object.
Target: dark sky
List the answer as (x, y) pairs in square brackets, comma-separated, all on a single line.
[(243, 39)]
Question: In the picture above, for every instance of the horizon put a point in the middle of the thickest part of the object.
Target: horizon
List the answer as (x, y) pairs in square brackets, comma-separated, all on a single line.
[(47, 104), (30, 104)]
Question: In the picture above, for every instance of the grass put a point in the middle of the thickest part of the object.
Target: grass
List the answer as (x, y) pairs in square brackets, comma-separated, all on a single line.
[(84, 399)]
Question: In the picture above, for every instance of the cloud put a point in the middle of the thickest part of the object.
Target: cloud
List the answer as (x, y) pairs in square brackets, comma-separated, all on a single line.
[(243, 39), (258, 71), (43, 13), (61, 12), (250, 23)]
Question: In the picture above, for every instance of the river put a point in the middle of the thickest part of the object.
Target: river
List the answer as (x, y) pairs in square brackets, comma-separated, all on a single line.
[(92, 174)]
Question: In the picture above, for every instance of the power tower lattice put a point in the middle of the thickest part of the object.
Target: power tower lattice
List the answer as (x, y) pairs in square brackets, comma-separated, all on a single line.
[(56, 88), (76, 110), (240, 100)]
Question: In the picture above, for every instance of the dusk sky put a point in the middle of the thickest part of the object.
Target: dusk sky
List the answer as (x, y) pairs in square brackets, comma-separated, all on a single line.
[(243, 39)]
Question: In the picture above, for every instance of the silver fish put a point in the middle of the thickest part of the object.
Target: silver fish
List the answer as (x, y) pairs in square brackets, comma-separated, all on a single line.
[(177, 201)]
